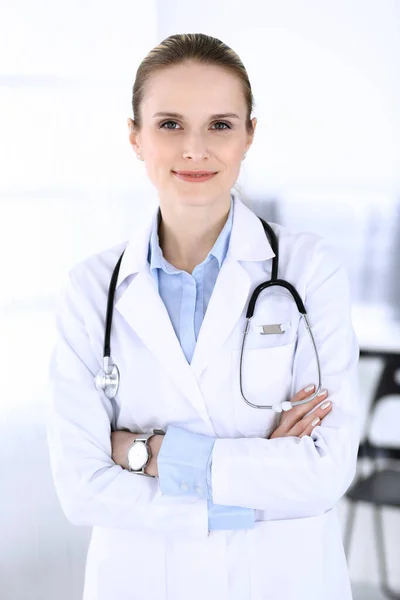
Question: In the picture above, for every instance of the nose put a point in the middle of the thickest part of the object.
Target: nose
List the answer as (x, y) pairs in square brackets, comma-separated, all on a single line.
[(195, 148)]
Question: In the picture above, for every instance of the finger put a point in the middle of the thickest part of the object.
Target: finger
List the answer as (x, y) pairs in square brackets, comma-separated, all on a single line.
[(308, 423), (311, 426), (291, 417), (303, 394)]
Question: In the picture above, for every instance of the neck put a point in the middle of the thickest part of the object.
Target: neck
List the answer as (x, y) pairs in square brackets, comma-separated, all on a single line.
[(187, 234)]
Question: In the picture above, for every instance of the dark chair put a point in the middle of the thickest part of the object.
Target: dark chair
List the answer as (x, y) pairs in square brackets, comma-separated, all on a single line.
[(381, 487)]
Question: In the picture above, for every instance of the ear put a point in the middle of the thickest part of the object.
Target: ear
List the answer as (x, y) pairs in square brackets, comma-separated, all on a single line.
[(250, 136), (133, 135)]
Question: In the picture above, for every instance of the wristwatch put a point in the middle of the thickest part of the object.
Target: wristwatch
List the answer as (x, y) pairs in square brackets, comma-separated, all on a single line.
[(139, 454)]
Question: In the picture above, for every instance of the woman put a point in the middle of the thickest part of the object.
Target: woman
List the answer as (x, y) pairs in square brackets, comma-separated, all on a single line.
[(238, 503)]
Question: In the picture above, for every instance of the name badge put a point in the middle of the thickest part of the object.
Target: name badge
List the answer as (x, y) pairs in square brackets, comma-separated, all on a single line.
[(272, 328)]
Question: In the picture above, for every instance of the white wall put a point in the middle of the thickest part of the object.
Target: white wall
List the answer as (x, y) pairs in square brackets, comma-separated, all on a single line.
[(70, 182)]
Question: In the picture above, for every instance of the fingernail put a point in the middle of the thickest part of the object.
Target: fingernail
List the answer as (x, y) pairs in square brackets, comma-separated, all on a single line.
[(315, 422), (322, 393), (325, 404), (309, 388)]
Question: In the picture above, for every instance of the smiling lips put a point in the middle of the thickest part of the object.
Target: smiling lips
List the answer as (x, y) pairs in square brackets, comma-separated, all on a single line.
[(194, 176)]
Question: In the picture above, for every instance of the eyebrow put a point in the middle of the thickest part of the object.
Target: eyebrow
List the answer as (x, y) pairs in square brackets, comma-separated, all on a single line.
[(178, 116)]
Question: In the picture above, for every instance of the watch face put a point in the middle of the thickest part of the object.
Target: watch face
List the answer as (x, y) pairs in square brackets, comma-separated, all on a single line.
[(137, 456)]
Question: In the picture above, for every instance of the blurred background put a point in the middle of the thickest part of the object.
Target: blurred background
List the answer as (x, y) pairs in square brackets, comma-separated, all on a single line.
[(326, 158)]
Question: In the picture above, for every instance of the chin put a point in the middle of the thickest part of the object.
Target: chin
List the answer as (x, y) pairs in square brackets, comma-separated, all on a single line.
[(195, 199)]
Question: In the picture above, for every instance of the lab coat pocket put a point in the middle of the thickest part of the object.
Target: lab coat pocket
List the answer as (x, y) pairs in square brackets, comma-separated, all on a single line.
[(266, 380)]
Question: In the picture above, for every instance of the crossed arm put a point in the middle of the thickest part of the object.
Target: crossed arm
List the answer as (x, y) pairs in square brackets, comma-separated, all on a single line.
[(298, 422)]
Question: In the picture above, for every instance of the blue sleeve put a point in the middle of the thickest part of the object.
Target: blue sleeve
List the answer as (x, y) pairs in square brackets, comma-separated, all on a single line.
[(182, 463), (184, 467)]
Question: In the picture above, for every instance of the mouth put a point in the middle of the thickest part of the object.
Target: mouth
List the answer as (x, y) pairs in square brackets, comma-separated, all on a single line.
[(195, 176)]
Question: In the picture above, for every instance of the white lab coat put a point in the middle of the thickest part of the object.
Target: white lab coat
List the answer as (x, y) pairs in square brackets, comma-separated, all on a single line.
[(150, 546)]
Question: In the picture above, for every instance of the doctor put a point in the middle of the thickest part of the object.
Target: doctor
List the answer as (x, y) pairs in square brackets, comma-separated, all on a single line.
[(238, 503)]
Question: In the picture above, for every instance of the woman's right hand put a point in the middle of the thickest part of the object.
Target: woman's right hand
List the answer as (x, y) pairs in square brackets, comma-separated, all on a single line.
[(294, 423)]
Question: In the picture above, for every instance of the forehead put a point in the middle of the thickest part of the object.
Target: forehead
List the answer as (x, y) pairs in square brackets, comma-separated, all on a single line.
[(192, 88)]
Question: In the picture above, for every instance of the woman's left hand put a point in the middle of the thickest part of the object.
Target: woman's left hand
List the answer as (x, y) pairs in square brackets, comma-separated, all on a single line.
[(121, 441)]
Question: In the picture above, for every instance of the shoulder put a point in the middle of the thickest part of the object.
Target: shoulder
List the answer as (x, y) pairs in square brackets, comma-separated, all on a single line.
[(90, 277), (294, 241), (313, 255)]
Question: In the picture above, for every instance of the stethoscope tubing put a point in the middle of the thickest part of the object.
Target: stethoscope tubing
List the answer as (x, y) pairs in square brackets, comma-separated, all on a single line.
[(274, 281), (284, 405), (108, 378)]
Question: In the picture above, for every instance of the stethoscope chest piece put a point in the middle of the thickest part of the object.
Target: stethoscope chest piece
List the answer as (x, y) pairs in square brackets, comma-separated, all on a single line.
[(107, 379)]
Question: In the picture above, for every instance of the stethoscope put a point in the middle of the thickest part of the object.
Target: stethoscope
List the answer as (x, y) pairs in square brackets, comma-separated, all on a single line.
[(107, 379)]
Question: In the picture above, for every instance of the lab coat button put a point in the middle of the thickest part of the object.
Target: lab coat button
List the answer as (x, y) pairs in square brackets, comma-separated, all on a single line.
[(184, 487), (199, 490)]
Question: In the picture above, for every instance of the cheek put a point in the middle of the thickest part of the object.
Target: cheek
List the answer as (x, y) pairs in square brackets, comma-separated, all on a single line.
[(233, 155), (234, 161), (159, 159), (157, 147)]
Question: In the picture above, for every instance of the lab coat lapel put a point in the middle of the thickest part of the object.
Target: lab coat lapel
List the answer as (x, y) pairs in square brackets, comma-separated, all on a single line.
[(143, 309), (233, 287), (226, 304)]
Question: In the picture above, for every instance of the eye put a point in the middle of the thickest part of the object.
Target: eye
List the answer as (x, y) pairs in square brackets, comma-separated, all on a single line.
[(227, 126), (166, 123)]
